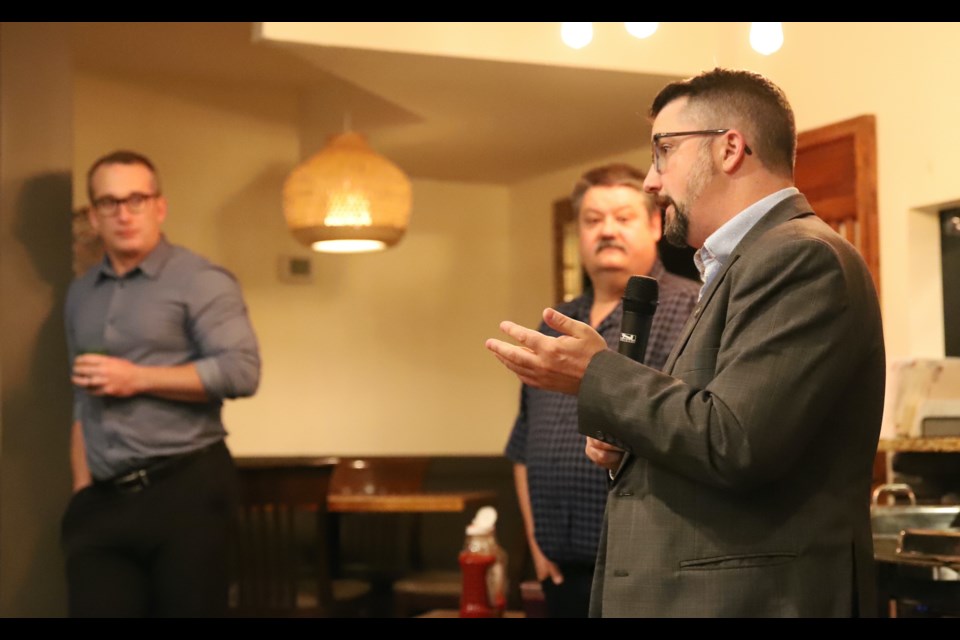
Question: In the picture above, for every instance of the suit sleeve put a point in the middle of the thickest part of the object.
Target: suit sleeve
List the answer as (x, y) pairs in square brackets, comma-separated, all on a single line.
[(743, 403)]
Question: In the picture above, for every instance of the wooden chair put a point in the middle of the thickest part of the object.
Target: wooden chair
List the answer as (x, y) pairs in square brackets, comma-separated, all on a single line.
[(282, 554)]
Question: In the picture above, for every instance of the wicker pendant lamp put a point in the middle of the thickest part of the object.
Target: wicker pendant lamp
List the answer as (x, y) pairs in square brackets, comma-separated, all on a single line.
[(347, 198)]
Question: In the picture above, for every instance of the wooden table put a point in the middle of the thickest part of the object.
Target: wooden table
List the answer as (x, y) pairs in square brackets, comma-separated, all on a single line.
[(359, 502), (401, 499), (416, 504), (437, 502)]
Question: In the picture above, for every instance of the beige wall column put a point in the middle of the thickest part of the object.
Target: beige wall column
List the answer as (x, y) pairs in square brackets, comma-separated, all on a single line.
[(36, 139)]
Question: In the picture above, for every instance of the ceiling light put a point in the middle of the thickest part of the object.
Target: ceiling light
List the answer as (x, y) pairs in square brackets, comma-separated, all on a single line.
[(641, 29), (766, 37), (347, 198), (576, 35)]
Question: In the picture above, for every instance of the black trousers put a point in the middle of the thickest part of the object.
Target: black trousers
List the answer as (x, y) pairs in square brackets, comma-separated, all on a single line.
[(158, 552), (571, 598)]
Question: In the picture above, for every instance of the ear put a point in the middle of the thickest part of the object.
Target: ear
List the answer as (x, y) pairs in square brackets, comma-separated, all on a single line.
[(161, 208), (734, 151)]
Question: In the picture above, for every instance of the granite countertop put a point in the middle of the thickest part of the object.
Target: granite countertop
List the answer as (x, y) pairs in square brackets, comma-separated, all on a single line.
[(943, 444)]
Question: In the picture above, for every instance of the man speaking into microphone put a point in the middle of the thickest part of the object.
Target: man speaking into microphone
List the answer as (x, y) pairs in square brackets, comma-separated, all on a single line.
[(561, 493), (741, 472)]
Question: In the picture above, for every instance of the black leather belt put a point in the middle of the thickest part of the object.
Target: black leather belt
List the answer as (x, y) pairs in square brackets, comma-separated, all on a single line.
[(160, 468)]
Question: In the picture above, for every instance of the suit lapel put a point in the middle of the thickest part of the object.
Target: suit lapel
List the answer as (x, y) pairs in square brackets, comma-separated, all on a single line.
[(793, 207)]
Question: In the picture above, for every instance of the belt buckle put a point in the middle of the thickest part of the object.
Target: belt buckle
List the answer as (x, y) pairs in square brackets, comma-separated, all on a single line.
[(134, 481)]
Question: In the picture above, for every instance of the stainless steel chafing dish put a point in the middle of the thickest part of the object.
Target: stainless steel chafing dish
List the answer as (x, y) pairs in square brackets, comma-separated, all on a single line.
[(924, 540)]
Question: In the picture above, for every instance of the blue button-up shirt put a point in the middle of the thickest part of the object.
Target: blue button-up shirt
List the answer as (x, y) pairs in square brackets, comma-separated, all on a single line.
[(174, 308), (717, 248)]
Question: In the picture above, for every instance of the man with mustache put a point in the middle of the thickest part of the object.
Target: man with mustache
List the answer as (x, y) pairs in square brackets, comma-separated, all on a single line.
[(561, 493), (741, 473)]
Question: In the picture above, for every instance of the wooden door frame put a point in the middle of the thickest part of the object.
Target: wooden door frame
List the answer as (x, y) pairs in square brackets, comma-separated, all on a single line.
[(835, 200)]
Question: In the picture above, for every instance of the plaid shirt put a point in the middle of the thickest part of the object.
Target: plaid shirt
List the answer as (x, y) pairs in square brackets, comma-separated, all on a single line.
[(568, 492)]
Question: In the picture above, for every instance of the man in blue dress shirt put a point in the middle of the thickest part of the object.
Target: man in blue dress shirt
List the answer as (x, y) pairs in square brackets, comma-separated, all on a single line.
[(158, 337)]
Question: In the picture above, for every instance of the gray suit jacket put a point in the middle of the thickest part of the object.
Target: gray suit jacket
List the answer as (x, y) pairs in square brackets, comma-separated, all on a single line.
[(746, 489)]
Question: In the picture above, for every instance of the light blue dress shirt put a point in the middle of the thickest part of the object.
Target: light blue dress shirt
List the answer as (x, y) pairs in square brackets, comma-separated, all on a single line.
[(717, 248)]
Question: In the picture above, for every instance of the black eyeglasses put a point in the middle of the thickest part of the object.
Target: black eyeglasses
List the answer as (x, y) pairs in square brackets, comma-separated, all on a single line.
[(660, 151), (108, 206)]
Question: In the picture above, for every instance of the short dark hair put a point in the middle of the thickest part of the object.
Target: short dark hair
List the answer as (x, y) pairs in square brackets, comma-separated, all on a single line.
[(121, 157), (733, 98), (617, 174)]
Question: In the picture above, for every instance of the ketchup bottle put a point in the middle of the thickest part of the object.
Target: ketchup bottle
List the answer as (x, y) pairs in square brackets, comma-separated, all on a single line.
[(483, 566)]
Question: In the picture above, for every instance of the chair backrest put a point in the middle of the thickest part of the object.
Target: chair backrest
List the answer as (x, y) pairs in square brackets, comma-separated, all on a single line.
[(281, 553)]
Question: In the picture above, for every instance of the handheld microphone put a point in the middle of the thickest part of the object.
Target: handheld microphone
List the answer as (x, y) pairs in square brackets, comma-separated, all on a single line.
[(639, 304)]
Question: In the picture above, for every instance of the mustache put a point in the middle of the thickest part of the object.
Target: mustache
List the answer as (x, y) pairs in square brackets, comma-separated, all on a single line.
[(607, 243), (664, 201)]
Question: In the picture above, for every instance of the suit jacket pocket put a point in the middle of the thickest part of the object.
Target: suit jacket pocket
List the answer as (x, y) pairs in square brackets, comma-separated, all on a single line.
[(742, 561)]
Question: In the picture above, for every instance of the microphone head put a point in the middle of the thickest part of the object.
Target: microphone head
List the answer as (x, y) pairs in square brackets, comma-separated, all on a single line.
[(641, 294)]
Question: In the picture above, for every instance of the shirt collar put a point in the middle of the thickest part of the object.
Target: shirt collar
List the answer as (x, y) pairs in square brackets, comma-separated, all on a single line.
[(721, 243), (149, 266)]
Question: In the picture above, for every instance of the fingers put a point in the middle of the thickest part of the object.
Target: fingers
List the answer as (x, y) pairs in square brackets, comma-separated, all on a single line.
[(555, 574), (603, 454), (92, 371), (513, 357), (89, 359), (89, 364), (545, 568), (548, 362), (600, 444), (89, 382), (565, 324), (528, 338)]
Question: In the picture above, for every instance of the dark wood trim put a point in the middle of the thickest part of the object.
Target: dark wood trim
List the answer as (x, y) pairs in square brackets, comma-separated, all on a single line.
[(563, 214), (837, 171)]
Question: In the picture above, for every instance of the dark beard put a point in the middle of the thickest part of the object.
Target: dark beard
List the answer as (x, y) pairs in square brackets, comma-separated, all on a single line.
[(675, 227)]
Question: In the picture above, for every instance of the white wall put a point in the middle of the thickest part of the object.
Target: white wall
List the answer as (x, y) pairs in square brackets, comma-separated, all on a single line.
[(384, 353)]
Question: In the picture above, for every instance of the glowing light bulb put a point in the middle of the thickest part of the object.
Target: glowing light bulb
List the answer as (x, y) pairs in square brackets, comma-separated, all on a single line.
[(766, 37), (576, 35), (348, 209), (641, 29)]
